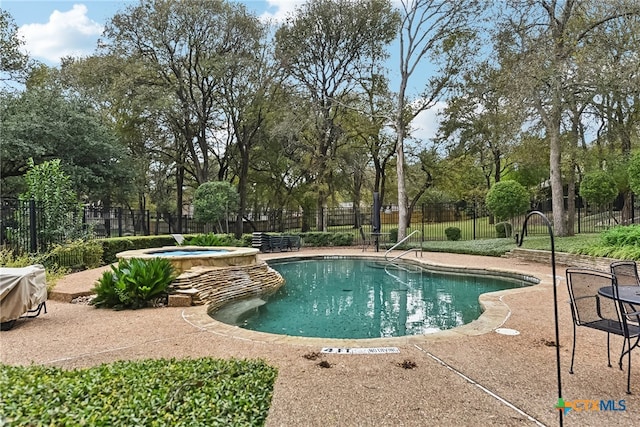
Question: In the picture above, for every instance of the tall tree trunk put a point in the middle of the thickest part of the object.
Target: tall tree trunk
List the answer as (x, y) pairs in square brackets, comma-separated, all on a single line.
[(180, 196), (403, 208)]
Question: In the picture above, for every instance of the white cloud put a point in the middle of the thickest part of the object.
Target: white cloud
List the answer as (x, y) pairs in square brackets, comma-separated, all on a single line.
[(69, 33), (425, 125), (278, 10)]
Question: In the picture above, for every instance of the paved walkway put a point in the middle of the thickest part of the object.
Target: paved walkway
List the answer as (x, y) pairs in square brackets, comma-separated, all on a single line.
[(471, 377)]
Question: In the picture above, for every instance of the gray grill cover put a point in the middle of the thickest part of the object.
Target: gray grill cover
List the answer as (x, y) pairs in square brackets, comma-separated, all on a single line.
[(21, 289)]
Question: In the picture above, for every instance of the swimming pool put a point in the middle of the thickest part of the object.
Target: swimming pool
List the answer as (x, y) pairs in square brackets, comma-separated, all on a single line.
[(366, 298)]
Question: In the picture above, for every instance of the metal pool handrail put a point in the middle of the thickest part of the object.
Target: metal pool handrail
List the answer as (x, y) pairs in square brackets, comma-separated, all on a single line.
[(398, 244)]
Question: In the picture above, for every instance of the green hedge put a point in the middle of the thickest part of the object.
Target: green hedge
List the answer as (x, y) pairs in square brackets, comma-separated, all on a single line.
[(113, 245), (321, 239), (164, 392)]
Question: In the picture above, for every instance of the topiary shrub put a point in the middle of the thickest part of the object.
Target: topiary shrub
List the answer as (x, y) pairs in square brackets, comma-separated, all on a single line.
[(507, 199), (453, 233), (598, 187), (503, 229), (134, 283)]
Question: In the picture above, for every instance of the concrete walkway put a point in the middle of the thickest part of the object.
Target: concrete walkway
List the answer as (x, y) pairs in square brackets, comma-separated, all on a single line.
[(471, 376)]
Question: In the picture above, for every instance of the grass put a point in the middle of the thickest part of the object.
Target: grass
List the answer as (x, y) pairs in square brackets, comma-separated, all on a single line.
[(194, 392), (498, 247)]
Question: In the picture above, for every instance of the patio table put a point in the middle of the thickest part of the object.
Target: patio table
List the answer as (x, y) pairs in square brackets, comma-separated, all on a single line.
[(626, 294)]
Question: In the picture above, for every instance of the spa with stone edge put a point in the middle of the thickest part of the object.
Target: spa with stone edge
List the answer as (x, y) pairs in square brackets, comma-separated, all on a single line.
[(213, 276)]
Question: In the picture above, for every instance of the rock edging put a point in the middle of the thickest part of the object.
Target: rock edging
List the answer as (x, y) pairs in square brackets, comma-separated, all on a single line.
[(562, 258)]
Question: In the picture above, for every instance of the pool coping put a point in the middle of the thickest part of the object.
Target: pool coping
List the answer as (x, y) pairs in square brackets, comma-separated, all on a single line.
[(495, 311)]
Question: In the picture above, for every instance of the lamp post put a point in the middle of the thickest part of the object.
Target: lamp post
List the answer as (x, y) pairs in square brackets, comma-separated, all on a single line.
[(555, 295)]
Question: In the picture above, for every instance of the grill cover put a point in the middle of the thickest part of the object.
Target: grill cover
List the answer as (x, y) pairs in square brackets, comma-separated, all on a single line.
[(21, 289)]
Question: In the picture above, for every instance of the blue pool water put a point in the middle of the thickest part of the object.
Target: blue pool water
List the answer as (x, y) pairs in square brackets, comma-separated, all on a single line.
[(186, 252), (358, 298)]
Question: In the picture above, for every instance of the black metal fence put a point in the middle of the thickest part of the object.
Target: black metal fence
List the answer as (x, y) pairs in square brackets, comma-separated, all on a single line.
[(22, 222)]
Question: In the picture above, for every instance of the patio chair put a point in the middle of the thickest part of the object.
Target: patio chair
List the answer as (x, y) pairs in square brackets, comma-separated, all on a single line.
[(630, 316), (365, 242), (626, 273), (591, 310)]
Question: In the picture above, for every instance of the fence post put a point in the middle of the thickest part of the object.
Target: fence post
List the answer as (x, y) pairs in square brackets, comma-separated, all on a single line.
[(119, 222), (422, 230), (33, 235), (475, 207), (579, 204)]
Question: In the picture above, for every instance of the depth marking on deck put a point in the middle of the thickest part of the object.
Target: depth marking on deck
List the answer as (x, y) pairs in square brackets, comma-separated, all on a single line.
[(360, 350)]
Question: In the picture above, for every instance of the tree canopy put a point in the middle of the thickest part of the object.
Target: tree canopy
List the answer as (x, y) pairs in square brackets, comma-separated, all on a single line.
[(311, 112)]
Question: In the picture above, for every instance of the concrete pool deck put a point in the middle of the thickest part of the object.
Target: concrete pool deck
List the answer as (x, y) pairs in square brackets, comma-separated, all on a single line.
[(472, 377)]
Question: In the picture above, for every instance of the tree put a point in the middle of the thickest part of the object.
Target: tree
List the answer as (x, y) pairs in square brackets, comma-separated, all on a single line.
[(482, 122), (14, 65), (507, 199), (634, 173), (540, 43), (52, 189), (181, 50), (323, 47), (42, 124), (429, 28), (214, 201)]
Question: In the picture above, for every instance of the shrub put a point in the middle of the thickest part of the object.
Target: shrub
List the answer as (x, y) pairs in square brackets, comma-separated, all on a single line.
[(621, 236), (341, 239), (503, 229), (12, 259), (453, 233), (393, 235), (162, 392), (317, 239), (212, 239), (134, 283), (321, 239), (507, 199), (78, 255), (112, 246), (598, 188), (49, 186)]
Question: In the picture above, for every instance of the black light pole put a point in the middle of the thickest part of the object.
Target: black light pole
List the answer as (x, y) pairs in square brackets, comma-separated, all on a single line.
[(555, 294)]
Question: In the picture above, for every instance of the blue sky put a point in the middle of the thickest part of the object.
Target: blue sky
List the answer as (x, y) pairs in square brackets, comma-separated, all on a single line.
[(57, 28)]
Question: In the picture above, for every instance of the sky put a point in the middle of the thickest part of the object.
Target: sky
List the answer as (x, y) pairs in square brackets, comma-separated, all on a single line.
[(57, 28)]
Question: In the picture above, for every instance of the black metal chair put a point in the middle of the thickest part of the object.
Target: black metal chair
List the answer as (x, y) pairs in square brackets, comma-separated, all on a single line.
[(626, 273), (591, 310)]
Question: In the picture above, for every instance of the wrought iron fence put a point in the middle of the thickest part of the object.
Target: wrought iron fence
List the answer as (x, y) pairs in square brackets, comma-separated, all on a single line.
[(22, 222)]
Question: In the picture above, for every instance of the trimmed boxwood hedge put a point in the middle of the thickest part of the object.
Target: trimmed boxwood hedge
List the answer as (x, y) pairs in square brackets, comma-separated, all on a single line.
[(164, 392)]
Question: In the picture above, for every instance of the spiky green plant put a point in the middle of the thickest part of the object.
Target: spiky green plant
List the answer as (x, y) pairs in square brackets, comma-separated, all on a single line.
[(133, 283)]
